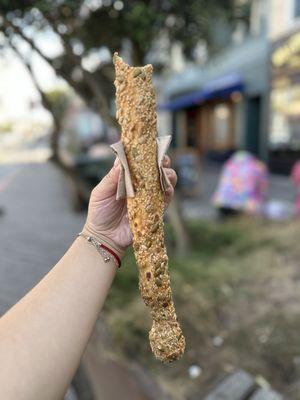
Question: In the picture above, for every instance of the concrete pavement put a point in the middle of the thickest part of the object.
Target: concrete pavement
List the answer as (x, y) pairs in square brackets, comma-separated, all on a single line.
[(280, 188), (36, 228)]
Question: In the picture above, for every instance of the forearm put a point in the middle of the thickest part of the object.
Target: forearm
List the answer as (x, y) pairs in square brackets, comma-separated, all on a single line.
[(43, 337)]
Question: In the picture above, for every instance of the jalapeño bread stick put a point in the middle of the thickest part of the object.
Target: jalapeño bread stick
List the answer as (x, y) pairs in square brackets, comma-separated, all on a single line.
[(136, 113)]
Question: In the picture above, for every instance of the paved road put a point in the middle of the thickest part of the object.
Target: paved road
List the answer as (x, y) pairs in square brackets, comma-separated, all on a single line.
[(36, 228), (280, 188)]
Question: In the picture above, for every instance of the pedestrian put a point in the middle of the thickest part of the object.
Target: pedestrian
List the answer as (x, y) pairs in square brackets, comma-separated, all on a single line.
[(296, 179), (242, 186), (43, 337)]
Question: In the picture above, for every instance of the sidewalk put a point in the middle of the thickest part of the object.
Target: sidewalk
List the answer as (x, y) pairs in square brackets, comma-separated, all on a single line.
[(36, 228), (280, 188)]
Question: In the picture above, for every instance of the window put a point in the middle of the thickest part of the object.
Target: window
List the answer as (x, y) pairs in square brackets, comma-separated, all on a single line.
[(221, 125), (297, 8), (285, 112)]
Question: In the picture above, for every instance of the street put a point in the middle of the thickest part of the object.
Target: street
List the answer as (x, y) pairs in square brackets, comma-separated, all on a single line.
[(36, 228), (280, 188)]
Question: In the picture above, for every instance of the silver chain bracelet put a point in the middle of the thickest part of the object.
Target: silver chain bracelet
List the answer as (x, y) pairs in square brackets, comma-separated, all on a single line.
[(106, 253)]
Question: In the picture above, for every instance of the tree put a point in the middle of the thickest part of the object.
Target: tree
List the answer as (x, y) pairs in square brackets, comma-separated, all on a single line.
[(58, 101), (86, 26), (55, 101)]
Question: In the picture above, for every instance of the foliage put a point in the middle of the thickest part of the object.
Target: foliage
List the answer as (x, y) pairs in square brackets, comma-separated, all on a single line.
[(6, 127), (108, 23), (212, 244), (59, 100), (238, 284), (86, 27)]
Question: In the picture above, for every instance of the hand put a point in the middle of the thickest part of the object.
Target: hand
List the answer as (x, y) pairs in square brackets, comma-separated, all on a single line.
[(108, 216)]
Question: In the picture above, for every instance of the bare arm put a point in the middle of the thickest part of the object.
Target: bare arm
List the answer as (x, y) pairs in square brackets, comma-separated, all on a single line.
[(43, 337)]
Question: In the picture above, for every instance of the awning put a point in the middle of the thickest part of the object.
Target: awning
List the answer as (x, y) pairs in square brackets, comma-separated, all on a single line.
[(222, 86)]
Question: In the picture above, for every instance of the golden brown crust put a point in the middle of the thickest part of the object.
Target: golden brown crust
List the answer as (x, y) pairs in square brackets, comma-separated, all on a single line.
[(136, 113)]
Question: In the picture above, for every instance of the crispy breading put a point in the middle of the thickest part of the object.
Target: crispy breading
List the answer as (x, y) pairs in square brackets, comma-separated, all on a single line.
[(136, 113)]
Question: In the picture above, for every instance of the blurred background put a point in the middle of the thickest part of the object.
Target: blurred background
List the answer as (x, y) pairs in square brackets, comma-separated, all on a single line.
[(227, 78)]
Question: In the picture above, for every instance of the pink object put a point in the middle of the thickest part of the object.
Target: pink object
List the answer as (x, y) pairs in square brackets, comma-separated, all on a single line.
[(296, 178), (243, 184)]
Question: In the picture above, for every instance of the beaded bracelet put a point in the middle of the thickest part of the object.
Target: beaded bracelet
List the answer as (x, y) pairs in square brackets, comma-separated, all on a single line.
[(106, 252)]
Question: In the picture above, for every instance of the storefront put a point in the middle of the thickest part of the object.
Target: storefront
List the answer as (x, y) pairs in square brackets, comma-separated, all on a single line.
[(211, 128), (224, 106), (209, 116), (284, 135)]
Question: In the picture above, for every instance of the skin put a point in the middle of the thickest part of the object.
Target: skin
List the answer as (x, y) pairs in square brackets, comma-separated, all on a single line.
[(43, 337)]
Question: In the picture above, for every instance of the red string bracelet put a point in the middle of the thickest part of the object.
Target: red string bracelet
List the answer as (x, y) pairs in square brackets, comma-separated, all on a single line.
[(112, 253), (103, 249)]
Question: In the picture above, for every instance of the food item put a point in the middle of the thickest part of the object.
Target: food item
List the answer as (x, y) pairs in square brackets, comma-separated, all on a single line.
[(136, 113)]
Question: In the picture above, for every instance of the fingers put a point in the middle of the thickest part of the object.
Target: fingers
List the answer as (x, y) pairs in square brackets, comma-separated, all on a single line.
[(108, 185), (169, 192), (172, 176), (168, 195), (166, 163)]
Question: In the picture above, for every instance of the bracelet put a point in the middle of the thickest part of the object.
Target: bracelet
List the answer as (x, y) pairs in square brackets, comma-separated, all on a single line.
[(106, 252)]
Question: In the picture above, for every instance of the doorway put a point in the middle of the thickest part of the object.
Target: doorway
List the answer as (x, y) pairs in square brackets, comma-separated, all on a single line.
[(253, 118)]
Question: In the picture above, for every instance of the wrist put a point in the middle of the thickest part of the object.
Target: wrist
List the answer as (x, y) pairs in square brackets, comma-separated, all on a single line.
[(89, 230)]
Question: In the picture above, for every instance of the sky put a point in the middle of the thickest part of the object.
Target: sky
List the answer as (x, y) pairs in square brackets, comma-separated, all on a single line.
[(17, 91)]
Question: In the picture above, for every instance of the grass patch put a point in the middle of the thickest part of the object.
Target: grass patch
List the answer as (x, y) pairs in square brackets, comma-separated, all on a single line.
[(125, 286), (229, 285)]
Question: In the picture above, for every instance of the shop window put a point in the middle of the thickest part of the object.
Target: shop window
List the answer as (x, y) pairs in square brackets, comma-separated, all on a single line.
[(192, 127), (285, 116), (297, 8), (221, 125)]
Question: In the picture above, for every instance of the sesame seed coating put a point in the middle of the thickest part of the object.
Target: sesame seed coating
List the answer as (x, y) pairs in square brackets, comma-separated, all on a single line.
[(136, 113)]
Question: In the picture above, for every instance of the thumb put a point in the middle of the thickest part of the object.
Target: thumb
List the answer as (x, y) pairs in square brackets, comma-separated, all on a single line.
[(108, 185)]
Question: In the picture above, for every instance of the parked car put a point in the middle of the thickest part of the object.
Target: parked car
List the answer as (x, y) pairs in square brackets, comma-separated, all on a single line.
[(84, 152)]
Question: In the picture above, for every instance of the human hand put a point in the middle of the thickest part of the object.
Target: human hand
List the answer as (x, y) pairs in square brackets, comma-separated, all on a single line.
[(108, 217)]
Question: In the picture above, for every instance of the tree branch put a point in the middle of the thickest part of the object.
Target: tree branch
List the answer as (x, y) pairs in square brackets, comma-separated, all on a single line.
[(27, 65), (28, 40), (93, 83), (101, 101), (44, 100)]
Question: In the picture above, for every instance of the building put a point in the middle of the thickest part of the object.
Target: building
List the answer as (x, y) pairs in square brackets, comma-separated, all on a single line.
[(284, 16), (284, 132), (211, 106), (223, 105)]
